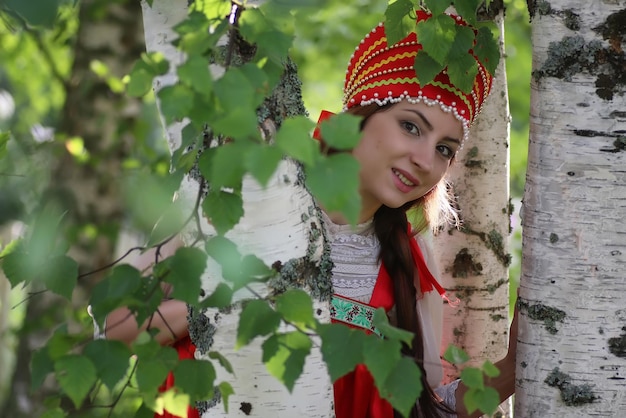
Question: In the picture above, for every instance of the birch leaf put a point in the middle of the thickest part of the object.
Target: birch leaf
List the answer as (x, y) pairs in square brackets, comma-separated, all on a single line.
[(342, 131), (224, 209), (381, 357), (261, 162), (436, 36), (195, 378), (398, 391), (473, 378), (75, 374), (381, 321), (426, 68), (225, 390), (342, 348), (295, 140), (186, 268), (284, 356), (257, 319), (467, 9), (397, 25), (110, 358), (296, 307)]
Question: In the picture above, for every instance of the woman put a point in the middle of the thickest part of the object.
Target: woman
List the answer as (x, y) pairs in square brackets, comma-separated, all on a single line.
[(411, 134)]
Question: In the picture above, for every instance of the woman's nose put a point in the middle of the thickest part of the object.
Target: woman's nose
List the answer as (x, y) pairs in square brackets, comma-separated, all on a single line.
[(423, 157)]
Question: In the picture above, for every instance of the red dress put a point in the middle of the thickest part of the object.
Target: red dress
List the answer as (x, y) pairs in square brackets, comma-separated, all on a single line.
[(186, 350)]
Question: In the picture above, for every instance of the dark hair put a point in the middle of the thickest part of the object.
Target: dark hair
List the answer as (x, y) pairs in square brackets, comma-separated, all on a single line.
[(391, 227)]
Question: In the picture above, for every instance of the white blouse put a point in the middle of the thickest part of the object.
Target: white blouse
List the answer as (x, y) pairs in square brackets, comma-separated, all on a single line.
[(354, 253)]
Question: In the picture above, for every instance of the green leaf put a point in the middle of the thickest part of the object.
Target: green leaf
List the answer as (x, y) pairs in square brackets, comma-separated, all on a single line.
[(143, 72), (455, 355), (223, 361), (342, 348), (225, 390), (234, 90), (284, 356), (75, 374), (35, 12), (239, 122), (225, 252), (490, 369), (61, 343), (221, 297), (294, 138), (463, 42), (296, 307), (462, 72), (487, 400), (252, 268), (342, 131), (486, 49), (257, 319), (53, 413), (173, 402), (437, 7), (473, 378), (381, 357), (4, 140), (146, 299), (41, 366), (110, 358), (195, 73), (381, 321), (398, 22), (224, 209), (227, 165), (176, 102), (195, 378), (436, 36), (186, 268), (153, 364), (261, 161), (61, 275), (334, 181), (467, 10), (401, 395), (114, 291)]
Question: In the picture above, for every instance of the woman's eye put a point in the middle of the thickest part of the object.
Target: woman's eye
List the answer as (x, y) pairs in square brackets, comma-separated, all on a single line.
[(446, 151), (410, 127)]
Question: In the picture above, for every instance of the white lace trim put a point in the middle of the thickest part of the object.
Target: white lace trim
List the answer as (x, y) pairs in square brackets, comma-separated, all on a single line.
[(448, 394)]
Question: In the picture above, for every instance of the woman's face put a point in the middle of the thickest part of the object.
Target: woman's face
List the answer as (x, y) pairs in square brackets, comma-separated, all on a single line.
[(404, 152)]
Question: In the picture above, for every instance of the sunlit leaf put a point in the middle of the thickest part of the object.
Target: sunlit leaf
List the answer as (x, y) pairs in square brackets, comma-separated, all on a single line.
[(284, 356), (473, 378), (296, 307), (75, 374), (173, 402), (225, 390), (195, 73), (490, 369), (455, 355), (223, 361), (257, 319)]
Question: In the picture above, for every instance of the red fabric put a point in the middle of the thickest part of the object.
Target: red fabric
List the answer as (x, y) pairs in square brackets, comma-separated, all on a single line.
[(186, 350), (356, 395)]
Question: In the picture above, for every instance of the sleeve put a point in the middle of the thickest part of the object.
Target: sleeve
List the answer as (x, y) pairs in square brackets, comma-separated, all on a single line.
[(448, 394)]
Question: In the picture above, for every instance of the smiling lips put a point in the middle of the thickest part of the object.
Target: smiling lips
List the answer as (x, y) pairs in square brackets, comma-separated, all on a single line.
[(404, 179)]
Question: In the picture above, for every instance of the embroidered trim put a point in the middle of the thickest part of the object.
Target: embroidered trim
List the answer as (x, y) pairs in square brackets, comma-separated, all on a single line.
[(354, 313)]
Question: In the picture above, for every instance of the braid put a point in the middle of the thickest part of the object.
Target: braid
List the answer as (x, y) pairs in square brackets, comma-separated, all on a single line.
[(390, 226)]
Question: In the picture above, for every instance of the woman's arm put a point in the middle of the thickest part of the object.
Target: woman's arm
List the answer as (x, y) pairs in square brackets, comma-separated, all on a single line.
[(504, 383), (170, 318)]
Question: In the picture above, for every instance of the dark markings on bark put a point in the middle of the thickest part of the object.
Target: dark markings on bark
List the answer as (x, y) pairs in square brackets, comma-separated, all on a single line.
[(571, 20), (201, 330), (572, 395), (554, 238), (618, 145), (617, 345), (464, 265), (549, 315), (542, 7), (485, 13), (246, 408), (493, 240)]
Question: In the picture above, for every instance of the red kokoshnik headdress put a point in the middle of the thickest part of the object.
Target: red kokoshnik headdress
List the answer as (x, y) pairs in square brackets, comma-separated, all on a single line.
[(382, 74)]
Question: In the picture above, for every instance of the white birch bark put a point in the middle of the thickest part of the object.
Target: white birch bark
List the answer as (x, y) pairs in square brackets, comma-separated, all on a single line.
[(474, 260), (571, 351), (281, 223)]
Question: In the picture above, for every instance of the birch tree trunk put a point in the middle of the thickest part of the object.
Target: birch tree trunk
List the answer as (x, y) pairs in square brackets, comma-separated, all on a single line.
[(282, 226), (474, 260), (572, 338)]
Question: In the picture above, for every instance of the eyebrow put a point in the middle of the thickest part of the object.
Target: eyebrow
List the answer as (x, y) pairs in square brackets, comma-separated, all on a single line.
[(429, 125)]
